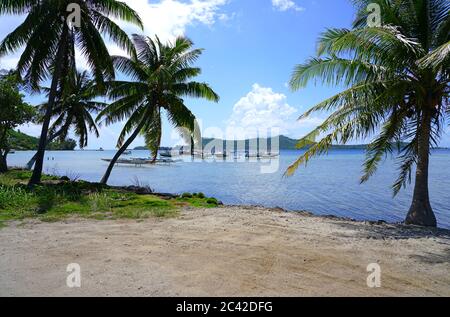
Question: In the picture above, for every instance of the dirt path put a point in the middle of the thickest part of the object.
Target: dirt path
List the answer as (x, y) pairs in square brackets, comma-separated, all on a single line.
[(228, 251)]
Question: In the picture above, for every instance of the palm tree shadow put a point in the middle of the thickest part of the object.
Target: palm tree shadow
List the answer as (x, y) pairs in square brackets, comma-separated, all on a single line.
[(384, 231), (433, 258), (402, 232)]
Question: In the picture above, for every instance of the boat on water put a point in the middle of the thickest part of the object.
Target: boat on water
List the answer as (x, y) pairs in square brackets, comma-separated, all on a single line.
[(221, 155), (251, 155), (142, 161), (269, 155), (127, 152), (261, 155), (198, 154), (165, 154), (12, 151)]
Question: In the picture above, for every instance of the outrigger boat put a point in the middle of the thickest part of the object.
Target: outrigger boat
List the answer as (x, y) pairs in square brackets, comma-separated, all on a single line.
[(251, 155), (259, 155), (221, 155), (142, 161), (269, 155), (165, 154)]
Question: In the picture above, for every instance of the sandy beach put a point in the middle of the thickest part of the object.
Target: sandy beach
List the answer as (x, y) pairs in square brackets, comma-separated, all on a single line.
[(228, 251)]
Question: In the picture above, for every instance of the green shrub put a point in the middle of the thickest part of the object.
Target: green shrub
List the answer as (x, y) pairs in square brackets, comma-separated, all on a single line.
[(186, 195), (46, 198), (12, 197), (212, 201), (100, 202)]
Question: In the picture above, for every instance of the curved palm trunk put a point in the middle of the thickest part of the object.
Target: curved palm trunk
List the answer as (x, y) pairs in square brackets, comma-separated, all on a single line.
[(37, 172), (31, 162), (4, 152), (3, 162), (421, 213), (120, 152)]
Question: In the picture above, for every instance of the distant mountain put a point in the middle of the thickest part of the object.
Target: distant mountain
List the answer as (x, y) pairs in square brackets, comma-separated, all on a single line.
[(22, 142), (286, 143)]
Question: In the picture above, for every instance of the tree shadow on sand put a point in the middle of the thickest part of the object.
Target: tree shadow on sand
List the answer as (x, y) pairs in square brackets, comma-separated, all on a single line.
[(384, 231), (377, 231)]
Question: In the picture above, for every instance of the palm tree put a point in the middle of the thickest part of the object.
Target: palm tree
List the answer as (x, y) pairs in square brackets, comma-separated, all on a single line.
[(397, 78), (73, 108), (49, 42), (160, 77)]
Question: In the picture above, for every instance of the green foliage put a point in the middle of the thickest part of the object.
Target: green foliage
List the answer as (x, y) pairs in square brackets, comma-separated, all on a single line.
[(212, 201), (75, 105), (100, 202), (14, 111), (48, 44), (66, 145), (161, 77), (397, 77), (200, 195), (198, 200), (55, 200), (21, 141), (44, 33)]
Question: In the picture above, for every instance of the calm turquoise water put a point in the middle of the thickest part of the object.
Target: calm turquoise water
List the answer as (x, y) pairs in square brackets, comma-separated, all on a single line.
[(328, 186)]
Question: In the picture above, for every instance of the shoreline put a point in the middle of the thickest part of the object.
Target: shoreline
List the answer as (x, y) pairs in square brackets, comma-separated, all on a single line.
[(139, 190)]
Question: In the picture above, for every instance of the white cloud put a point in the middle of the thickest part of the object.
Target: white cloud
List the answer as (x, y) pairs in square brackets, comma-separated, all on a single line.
[(285, 5), (167, 19), (263, 110), (9, 62), (170, 18)]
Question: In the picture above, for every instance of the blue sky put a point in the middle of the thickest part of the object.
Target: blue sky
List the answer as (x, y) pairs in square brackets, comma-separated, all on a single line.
[(251, 47)]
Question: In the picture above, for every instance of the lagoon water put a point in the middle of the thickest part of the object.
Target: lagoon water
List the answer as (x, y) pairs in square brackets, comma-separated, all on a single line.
[(328, 186)]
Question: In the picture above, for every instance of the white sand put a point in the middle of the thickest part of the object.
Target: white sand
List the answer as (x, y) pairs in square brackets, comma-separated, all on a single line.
[(229, 251)]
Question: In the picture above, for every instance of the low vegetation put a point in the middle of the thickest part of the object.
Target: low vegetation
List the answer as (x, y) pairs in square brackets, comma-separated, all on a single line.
[(56, 199), (23, 142)]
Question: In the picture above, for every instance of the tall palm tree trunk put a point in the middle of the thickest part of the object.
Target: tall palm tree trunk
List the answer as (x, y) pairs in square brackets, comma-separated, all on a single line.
[(37, 172), (421, 212), (51, 138), (120, 152), (3, 162), (4, 152)]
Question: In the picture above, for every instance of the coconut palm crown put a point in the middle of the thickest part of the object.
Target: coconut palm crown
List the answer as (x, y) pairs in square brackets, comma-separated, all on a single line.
[(397, 77), (160, 77), (49, 39)]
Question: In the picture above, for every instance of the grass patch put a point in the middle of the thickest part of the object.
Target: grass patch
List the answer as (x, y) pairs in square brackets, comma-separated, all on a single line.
[(56, 200), (198, 200), (15, 176)]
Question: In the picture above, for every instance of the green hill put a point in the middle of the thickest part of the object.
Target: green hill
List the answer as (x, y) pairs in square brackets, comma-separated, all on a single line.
[(22, 142), (286, 143)]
